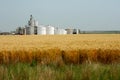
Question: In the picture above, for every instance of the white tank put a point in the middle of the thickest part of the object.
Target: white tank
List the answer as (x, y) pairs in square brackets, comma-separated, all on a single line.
[(57, 31), (50, 30), (69, 31), (41, 30), (60, 31), (64, 31), (35, 23)]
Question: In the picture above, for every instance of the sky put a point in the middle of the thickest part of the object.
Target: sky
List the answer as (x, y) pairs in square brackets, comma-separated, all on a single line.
[(80, 14)]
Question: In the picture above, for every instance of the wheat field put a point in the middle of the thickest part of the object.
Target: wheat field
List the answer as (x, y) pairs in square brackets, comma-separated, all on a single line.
[(60, 49), (60, 57), (82, 41)]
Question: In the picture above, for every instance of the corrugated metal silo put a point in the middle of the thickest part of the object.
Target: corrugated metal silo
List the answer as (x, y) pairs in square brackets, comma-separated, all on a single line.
[(57, 31), (64, 31), (60, 31), (50, 30), (41, 30), (69, 31)]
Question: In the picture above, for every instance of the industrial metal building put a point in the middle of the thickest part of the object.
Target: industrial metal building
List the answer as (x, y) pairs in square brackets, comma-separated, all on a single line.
[(33, 28)]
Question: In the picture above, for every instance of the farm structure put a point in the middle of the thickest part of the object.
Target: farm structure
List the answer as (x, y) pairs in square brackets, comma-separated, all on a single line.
[(33, 28)]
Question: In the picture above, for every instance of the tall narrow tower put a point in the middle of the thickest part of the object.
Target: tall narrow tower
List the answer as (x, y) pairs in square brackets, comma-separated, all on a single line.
[(31, 21), (31, 17)]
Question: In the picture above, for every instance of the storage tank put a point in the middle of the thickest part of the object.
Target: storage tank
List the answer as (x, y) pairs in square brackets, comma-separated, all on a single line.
[(29, 30), (57, 31), (64, 31), (41, 30), (69, 31), (50, 30), (60, 31)]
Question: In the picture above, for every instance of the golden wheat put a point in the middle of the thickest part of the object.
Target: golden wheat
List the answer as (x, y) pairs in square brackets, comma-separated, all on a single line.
[(60, 49)]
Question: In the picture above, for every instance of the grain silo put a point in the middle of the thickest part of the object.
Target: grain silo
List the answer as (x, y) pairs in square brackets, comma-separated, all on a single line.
[(69, 31), (57, 31), (50, 30), (64, 31), (41, 30), (60, 31)]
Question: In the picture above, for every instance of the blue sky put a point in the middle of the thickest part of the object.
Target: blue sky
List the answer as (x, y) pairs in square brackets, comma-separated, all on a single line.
[(82, 14)]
